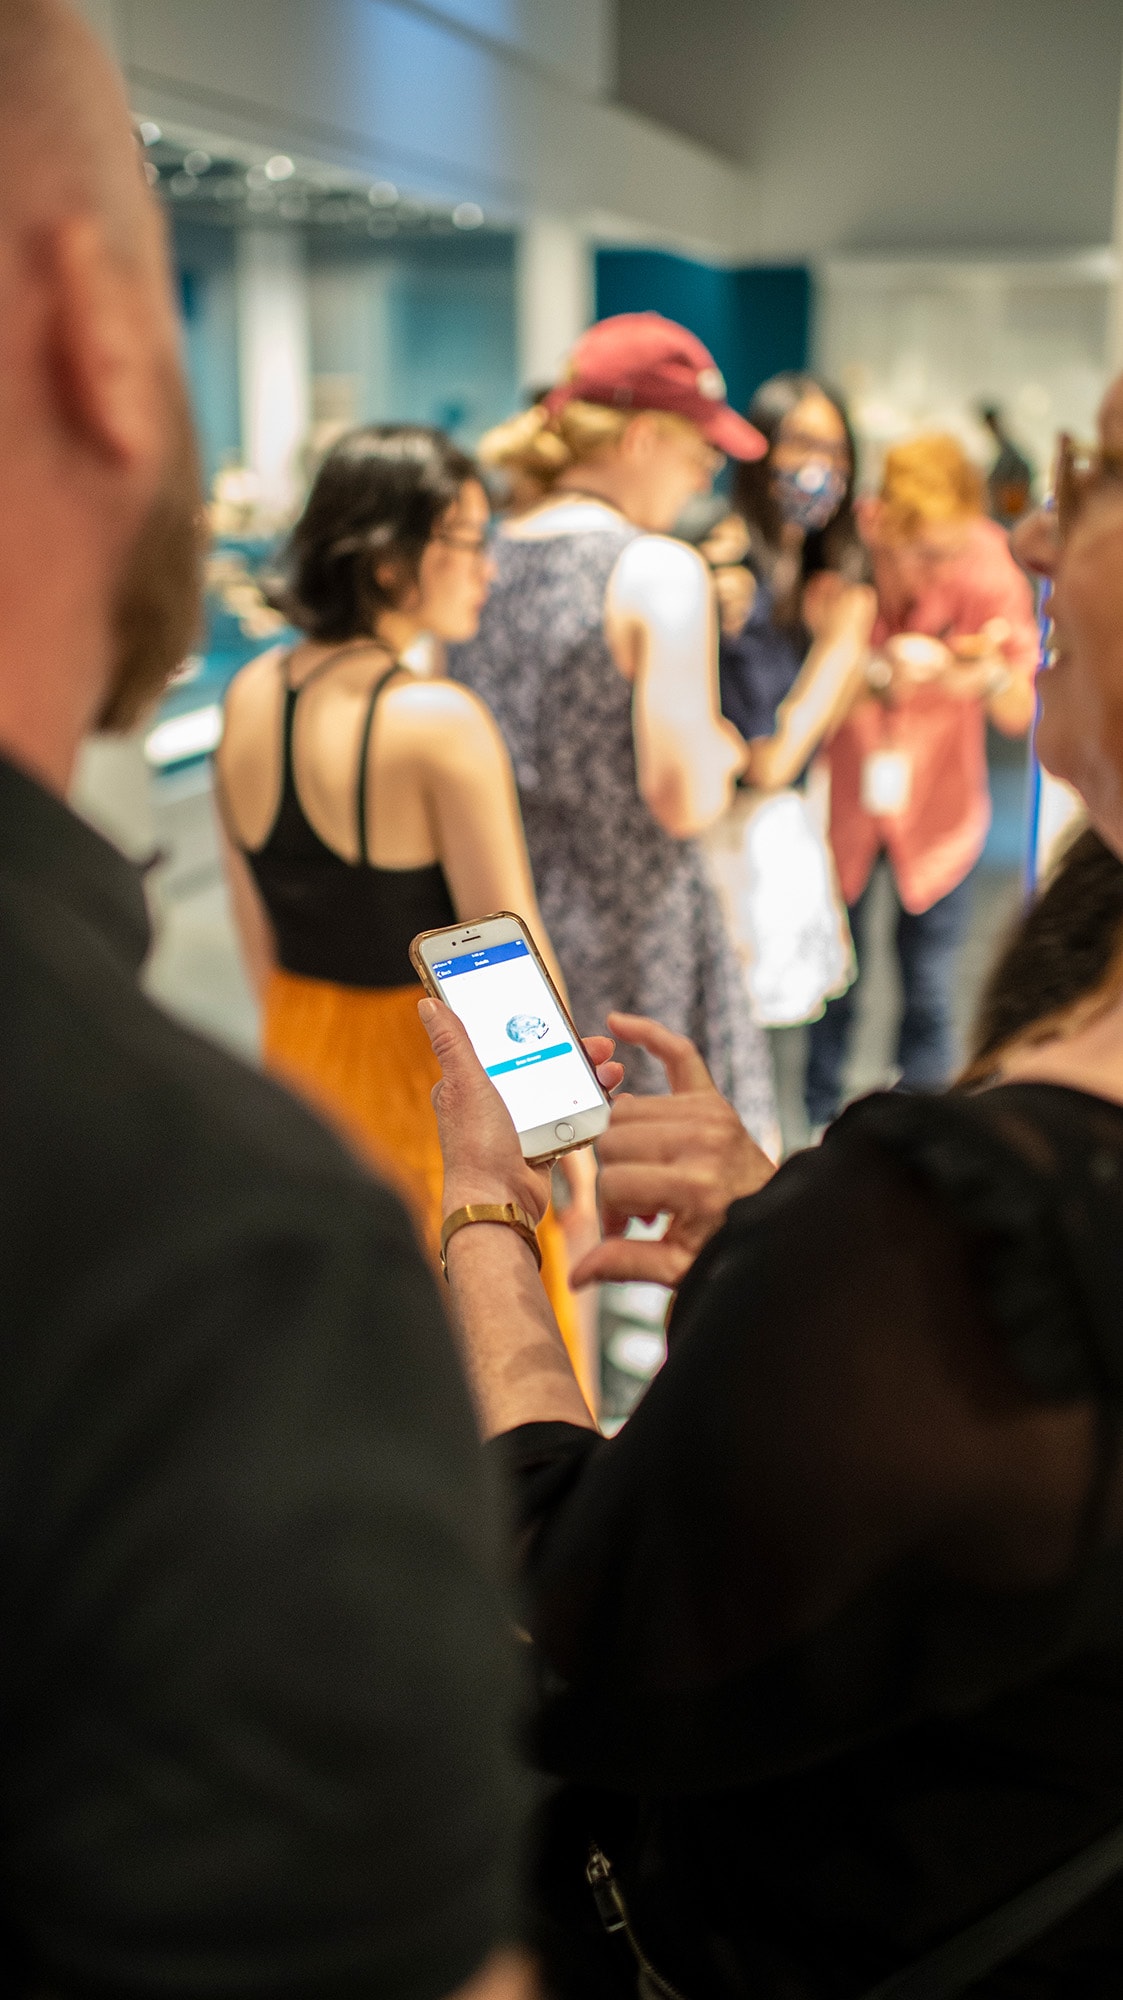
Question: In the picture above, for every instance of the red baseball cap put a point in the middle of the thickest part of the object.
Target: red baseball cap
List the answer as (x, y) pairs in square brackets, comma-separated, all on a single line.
[(641, 361)]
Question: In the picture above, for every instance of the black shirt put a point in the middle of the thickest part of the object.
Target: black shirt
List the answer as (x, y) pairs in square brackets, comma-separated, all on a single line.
[(253, 1681), (850, 1725), (758, 667)]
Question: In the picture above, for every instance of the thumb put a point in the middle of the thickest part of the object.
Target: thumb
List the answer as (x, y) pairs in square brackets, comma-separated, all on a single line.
[(449, 1038)]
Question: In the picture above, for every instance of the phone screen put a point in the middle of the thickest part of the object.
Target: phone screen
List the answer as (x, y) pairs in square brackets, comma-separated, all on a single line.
[(522, 1039)]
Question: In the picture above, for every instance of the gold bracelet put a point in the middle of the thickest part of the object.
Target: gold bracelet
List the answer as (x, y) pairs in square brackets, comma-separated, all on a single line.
[(507, 1212)]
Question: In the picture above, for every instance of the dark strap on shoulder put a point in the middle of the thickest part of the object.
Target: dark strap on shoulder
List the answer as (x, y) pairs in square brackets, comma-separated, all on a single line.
[(364, 749), (1005, 1932)]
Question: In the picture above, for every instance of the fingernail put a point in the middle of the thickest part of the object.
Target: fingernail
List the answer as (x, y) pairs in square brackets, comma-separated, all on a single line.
[(428, 1011)]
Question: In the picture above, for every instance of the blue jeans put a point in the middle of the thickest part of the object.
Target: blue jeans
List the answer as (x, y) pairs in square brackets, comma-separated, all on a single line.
[(926, 951)]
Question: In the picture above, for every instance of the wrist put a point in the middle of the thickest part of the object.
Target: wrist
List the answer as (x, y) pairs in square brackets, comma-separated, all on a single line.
[(464, 1190), (497, 1218)]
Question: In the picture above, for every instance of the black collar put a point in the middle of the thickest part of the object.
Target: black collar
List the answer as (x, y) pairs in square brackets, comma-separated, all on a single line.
[(44, 844)]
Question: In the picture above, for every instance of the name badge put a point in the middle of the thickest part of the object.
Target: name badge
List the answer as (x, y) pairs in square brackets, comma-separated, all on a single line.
[(886, 782)]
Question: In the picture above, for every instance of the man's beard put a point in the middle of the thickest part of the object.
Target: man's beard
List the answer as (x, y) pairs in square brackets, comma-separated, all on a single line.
[(158, 603)]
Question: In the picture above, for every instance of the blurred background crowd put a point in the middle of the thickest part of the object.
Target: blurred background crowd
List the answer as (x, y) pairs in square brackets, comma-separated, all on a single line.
[(407, 216)]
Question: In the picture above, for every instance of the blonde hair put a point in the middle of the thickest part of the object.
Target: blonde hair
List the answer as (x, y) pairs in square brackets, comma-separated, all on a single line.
[(929, 480), (540, 446)]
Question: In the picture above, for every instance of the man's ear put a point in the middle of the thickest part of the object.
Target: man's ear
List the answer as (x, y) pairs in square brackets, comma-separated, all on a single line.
[(100, 350), (640, 435)]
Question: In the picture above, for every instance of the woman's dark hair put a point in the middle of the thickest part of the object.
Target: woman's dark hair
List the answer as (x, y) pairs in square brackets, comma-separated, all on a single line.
[(1062, 950), (376, 499), (838, 546)]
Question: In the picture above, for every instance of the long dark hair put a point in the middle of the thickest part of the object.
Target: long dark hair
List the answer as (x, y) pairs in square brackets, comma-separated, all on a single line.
[(376, 499), (1063, 949), (838, 546)]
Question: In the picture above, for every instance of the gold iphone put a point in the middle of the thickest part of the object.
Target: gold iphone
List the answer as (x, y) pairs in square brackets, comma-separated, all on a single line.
[(491, 975)]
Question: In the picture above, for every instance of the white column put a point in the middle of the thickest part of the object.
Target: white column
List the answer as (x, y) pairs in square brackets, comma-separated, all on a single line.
[(274, 371), (555, 296)]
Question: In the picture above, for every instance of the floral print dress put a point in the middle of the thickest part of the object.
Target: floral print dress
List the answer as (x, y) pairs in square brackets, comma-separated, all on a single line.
[(632, 916)]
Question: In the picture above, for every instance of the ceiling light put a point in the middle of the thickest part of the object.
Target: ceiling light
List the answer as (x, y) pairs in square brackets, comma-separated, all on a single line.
[(279, 168), (150, 131), (196, 161), (467, 215), (151, 173), (383, 194)]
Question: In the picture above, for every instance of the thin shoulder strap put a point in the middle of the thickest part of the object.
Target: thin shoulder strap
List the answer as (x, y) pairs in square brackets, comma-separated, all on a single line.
[(364, 751), (328, 660)]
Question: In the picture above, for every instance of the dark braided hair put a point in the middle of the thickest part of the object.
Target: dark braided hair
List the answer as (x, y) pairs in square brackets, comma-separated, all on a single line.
[(1063, 949)]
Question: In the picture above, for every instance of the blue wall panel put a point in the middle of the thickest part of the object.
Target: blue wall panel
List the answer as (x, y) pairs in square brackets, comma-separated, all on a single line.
[(205, 269), (754, 321)]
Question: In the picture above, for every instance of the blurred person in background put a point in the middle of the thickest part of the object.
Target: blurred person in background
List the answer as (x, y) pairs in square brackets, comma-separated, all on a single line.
[(828, 1642), (956, 641), (254, 1656), (364, 804), (790, 570), (597, 654), (795, 623)]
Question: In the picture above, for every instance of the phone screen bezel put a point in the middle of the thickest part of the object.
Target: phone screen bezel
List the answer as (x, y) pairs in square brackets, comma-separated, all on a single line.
[(540, 1143)]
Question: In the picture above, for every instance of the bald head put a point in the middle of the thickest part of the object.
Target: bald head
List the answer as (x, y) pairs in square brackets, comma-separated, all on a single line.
[(66, 140), (99, 494)]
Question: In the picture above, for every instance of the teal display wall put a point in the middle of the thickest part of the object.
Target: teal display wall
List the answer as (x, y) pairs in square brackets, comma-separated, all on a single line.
[(204, 261), (755, 320), (426, 332)]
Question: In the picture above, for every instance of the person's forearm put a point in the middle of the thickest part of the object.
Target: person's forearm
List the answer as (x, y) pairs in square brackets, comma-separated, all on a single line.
[(828, 682), (689, 786), (511, 1345)]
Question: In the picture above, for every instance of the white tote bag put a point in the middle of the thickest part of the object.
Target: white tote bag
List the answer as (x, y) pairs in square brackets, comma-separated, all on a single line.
[(772, 868)]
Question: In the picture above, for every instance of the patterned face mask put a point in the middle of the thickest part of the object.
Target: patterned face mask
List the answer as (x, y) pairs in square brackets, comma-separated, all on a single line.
[(811, 496)]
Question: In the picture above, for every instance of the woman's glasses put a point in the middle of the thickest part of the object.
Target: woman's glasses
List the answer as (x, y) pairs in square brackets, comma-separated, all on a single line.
[(470, 545), (1081, 470)]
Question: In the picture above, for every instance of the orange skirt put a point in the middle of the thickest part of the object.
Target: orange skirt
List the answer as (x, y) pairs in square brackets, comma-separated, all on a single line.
[(361, 1057)]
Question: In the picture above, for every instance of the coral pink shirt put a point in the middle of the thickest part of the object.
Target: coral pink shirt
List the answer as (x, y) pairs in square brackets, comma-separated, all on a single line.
[(938, 835)]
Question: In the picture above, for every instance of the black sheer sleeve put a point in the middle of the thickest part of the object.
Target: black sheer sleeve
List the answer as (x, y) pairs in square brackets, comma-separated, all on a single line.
[(855, 1494)]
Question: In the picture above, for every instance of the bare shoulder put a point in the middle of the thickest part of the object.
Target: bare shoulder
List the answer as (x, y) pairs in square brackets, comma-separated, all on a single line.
[(254, 688), (657, 576), (447, 722)]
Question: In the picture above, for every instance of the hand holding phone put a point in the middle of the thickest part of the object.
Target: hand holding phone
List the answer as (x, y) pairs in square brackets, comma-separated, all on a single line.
[(492, 977)]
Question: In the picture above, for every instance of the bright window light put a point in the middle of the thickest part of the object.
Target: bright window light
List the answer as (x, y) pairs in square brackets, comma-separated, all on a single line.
[(195, 734)]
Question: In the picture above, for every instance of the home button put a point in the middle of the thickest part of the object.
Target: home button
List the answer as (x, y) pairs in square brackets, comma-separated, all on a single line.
[(564, 1132)]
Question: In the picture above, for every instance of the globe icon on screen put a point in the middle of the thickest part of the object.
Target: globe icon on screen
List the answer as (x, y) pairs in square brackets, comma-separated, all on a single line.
[(527, 1028)]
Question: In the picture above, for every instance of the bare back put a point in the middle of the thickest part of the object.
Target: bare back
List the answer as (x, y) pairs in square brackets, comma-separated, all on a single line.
[(401, 762), (437, 783)]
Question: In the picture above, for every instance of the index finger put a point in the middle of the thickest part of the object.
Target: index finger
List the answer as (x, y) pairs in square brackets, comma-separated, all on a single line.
[(677, 1053)]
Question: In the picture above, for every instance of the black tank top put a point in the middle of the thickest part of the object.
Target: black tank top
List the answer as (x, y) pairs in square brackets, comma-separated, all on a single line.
[(344, 921)]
